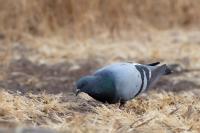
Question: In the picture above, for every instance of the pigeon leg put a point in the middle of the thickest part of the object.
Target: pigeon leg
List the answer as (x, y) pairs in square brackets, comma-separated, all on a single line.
[(122, 104)]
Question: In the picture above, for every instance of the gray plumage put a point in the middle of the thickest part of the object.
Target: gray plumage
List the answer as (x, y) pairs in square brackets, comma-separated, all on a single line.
[(121, 82)]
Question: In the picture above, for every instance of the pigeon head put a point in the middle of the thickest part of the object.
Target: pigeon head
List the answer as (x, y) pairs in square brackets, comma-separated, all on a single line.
[(97, 86), (85, 84)]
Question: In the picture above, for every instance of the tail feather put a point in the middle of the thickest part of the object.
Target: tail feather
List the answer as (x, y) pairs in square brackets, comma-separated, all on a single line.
[(167, 70), (153, 64), (162, 70)]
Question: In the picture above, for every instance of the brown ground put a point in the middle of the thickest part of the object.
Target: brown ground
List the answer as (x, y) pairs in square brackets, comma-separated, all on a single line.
[(45, 48), (37, 84)]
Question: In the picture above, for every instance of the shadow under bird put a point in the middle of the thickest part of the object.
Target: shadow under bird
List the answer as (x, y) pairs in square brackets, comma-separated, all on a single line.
[(120, 82)]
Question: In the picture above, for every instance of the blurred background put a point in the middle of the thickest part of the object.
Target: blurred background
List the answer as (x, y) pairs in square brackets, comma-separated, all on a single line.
[(46, 45)]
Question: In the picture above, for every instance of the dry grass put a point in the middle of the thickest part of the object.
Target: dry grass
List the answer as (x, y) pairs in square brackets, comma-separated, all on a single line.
[(157, 112), (82, 19), (45, 46), (51, 66)]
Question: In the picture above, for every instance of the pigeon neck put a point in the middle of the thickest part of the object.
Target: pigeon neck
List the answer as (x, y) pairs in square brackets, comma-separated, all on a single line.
[(103, 86)]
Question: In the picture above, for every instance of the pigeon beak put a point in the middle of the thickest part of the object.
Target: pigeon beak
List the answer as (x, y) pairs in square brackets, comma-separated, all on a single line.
[(78, 91)]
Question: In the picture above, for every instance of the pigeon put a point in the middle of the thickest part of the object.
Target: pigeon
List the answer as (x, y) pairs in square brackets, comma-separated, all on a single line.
[(121, 82)]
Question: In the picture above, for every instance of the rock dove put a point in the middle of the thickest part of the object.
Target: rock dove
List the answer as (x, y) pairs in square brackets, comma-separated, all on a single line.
[(120, 82)]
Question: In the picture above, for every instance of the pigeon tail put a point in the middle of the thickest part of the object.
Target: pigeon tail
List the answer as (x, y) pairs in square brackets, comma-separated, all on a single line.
[(157, 72), (167, 70)]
